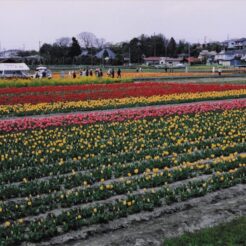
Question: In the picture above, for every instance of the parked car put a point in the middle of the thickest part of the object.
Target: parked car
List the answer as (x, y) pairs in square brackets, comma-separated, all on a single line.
[(42, 72)]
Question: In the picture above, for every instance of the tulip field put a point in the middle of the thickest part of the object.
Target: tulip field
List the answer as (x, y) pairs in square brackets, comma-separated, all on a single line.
[(75, 156), (54, 99)]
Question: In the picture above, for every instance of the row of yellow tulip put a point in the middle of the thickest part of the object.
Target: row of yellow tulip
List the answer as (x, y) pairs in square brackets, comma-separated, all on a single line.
[(29, 109)]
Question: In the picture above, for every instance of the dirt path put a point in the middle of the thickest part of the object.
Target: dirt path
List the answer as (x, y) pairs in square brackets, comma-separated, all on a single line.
[(97, 112), (150, 228)]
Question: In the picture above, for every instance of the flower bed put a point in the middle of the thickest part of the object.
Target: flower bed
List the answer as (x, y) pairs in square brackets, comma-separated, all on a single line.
[(59, 81), (34, 95), (45, 108), (116, 115), (60, 174), (56, 80)]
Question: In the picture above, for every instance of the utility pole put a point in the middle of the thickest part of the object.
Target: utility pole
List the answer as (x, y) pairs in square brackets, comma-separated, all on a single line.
[(154, 45), (166, 44), (187, 67), (189, 49), (205, 41), (129, 54)]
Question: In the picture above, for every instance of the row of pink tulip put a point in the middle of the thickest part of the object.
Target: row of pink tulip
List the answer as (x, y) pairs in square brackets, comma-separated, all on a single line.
[(116, 115)]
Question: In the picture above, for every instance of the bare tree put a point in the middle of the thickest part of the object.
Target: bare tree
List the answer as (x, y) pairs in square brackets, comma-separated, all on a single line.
[(108, 44), (64, 41), (100, 43), (87, 39)]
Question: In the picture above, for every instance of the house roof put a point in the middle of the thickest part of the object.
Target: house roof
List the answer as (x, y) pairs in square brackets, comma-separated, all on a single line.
[(84, 53), (233, 52), (235, 40), (14, 67), (240, 40), (101, 53)]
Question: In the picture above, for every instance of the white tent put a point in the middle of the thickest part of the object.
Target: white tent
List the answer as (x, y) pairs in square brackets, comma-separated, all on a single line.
[(14, 67)]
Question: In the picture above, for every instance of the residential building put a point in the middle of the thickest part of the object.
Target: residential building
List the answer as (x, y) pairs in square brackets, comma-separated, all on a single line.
[(207, 56), (13, 70), (236, 44), (12, 56), (230, 57), (169, 61), (165, 61)]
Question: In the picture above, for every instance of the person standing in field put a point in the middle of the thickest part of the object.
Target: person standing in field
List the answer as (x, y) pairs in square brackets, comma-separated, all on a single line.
[(74, 74), (101, 72), (109, 73), (112, 72), (118, 73), (219, 71)]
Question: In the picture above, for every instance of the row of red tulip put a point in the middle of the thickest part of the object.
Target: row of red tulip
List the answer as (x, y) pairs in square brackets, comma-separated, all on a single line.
[(34, 95), (117, 115)]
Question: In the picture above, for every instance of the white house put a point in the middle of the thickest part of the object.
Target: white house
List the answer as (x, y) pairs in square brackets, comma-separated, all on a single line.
[(206, 55), (167, 61), (230, 57), (239, 43)]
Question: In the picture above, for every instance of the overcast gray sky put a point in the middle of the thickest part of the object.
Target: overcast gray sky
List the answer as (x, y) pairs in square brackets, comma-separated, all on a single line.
[(23, 23)]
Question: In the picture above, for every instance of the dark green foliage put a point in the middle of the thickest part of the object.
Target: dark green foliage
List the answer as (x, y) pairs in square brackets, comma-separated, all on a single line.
[(75, 48)]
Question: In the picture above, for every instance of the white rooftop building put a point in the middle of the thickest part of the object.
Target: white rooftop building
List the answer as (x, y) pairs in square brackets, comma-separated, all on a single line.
[(9, 70)]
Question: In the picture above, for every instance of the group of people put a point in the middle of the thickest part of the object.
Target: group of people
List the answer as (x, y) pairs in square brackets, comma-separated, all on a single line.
[(84, 72), (90, 72), (111, 73)]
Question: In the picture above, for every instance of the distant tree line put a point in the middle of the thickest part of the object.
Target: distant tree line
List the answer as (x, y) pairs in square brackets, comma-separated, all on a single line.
[(82, 49)]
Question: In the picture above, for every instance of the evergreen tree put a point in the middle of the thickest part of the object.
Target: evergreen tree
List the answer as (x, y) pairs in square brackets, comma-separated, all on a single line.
[(75, 48), (172, 48)]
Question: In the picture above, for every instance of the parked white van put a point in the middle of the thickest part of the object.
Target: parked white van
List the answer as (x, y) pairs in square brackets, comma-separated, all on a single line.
[(42, 72)]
